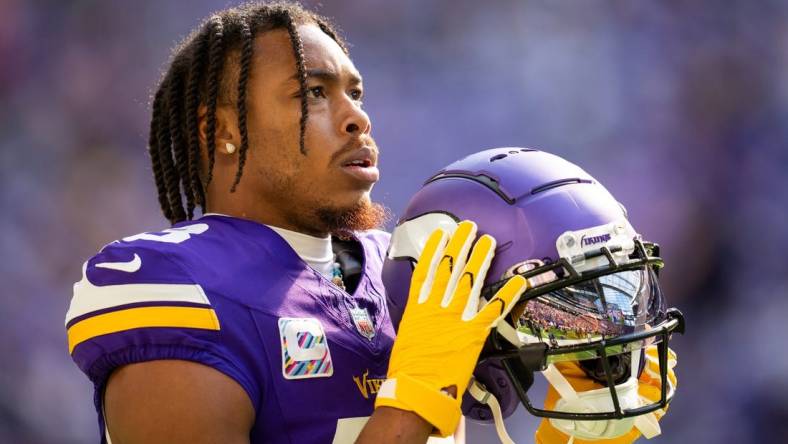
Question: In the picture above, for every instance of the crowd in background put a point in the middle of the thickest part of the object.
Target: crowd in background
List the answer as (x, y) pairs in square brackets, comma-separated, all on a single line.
[(678, 107), (544, 318)]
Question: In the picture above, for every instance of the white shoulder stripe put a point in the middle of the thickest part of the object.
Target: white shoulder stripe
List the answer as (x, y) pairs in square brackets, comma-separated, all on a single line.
[(89, 298)]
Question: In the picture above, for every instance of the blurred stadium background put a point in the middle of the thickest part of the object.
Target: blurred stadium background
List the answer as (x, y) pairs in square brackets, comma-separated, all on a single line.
[(678, 107)]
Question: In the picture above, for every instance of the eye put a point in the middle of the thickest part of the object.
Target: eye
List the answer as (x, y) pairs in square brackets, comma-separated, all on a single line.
[(356, 94), (316, 92)]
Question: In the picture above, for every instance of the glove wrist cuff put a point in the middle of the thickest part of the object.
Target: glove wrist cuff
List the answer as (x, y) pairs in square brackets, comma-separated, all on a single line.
[(434, 406)]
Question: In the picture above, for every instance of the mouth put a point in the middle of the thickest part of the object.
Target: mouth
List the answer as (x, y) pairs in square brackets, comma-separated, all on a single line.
[(362, 165)]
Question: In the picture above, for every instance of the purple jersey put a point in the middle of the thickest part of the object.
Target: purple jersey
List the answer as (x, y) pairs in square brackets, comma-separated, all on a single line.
[(231, 294)]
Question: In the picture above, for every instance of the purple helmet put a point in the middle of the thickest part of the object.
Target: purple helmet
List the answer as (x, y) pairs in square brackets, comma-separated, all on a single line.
[(595, 296)]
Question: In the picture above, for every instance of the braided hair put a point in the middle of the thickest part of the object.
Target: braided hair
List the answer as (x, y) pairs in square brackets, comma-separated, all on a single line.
[(198, 76)]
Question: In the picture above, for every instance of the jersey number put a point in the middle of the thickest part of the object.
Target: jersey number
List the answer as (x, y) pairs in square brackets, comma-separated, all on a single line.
[(170, 235)]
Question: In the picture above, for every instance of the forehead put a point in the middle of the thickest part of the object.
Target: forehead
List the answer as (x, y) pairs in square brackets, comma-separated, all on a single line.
[(273, 53)]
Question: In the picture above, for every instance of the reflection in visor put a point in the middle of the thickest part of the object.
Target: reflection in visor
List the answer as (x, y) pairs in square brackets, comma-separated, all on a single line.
[(608, 306)]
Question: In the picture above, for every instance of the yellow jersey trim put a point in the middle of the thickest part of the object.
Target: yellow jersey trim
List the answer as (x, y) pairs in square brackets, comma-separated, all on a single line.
[(141, 317)]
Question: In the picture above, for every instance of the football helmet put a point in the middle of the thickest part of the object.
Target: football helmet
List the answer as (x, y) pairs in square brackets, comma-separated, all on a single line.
[(594, 295)]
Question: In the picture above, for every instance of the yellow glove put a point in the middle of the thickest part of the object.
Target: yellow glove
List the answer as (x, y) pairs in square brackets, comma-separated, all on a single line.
[(441, 333), (649, 389)]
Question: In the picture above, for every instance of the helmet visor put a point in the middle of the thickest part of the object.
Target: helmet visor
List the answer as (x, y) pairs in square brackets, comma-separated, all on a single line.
[(604, 307)]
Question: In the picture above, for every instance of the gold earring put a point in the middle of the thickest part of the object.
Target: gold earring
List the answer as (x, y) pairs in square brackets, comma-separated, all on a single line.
[(229, 147)]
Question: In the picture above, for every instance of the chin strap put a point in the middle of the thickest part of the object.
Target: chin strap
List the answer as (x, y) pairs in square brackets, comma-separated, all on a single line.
[(647, 423), (479, 393)]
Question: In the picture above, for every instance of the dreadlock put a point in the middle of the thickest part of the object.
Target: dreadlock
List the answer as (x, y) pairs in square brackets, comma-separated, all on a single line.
[(198, 76)]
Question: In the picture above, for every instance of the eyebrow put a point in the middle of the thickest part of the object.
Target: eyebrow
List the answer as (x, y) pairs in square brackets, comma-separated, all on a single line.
[(328, 76)]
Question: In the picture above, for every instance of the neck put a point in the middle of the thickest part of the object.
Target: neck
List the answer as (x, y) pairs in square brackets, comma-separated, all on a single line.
[(260, 211), (313, 250)]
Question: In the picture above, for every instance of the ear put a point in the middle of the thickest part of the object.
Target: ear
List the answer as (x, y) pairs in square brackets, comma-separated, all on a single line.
[(226, 127)]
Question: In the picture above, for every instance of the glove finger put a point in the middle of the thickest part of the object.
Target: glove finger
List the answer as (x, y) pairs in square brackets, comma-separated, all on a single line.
[(672, 359), (453, 262), (466, 296), (652, 364), (652, 354), (650, 392), (502, 303), (424, 272)]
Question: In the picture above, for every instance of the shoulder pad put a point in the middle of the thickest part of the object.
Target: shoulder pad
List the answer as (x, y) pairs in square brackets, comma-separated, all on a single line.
[(133, 284), (378, 235), (376, 240)]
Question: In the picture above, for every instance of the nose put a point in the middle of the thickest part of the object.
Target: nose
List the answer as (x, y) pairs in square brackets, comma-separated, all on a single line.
[(355, 121)]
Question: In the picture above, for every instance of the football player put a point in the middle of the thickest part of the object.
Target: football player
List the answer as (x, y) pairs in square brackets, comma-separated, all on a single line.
[(265, 319)]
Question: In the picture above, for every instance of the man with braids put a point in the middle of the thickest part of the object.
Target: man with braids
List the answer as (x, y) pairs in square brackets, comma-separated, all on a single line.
[(264, 320)]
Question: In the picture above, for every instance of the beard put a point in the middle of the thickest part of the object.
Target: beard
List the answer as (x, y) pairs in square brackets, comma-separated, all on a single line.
[(318, 219), (342, 222)]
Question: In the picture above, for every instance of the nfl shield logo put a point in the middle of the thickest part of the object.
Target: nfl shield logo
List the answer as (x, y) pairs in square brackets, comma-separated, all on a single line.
[(363, 322)]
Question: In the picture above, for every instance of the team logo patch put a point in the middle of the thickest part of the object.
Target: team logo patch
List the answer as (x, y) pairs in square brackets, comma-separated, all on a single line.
[(305, 351), (363, 322), (368, 386)]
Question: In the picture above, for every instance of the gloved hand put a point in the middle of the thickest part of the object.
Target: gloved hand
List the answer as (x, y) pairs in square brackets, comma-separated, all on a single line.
[(649, 390), (442, 331)]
